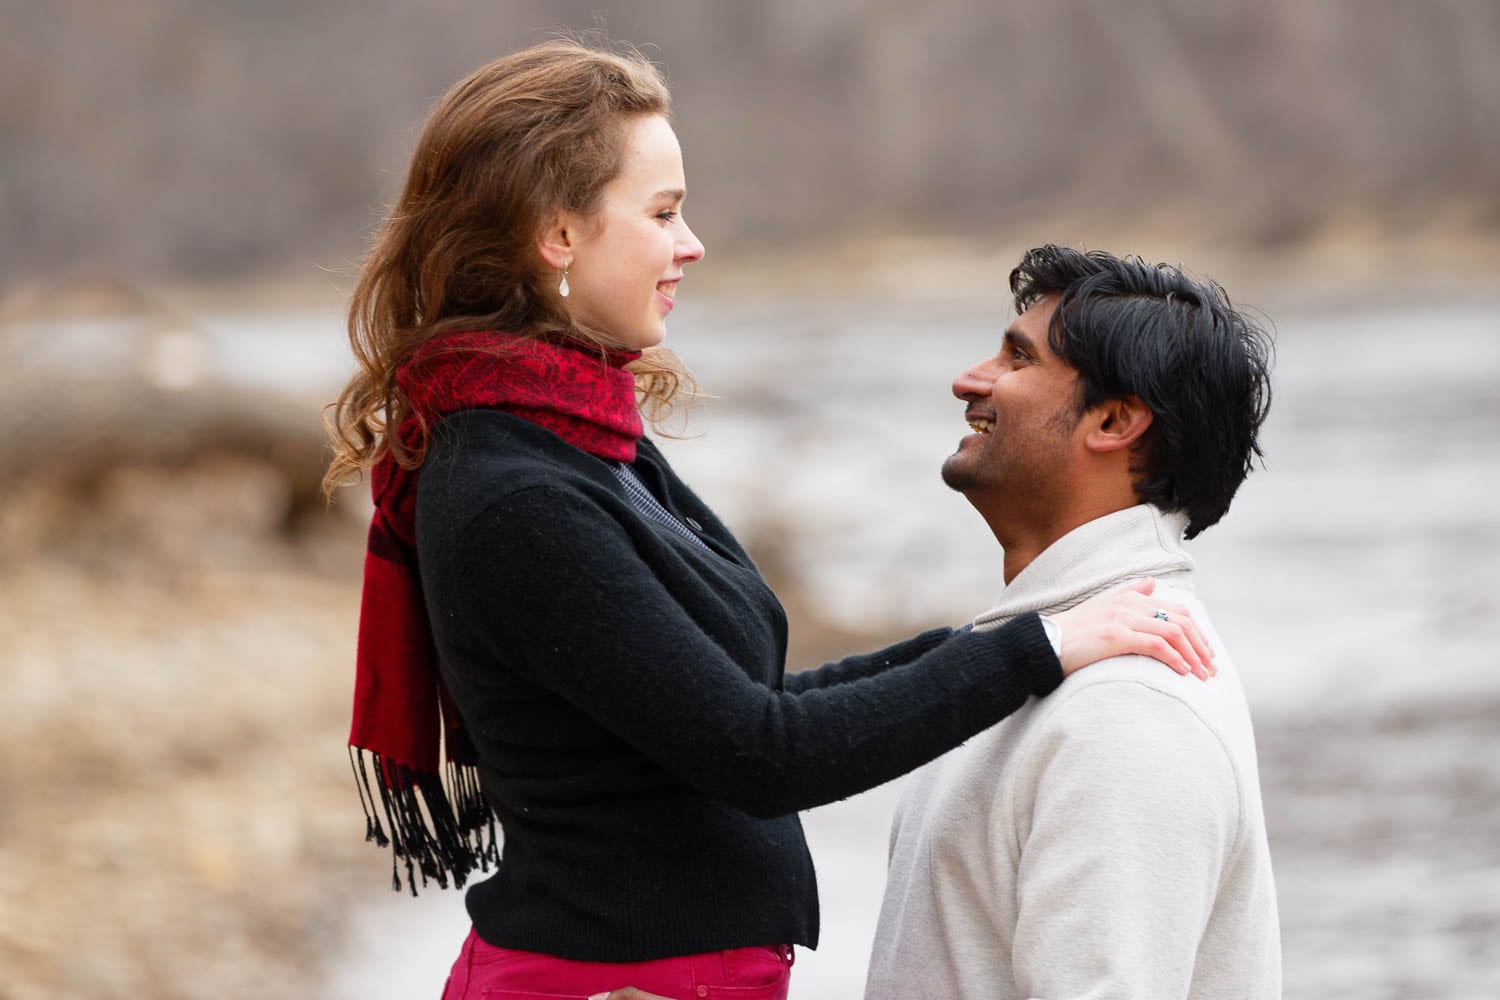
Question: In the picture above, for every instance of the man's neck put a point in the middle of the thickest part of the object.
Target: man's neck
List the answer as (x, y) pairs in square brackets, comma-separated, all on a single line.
[(1025, 537), (1019, 555)]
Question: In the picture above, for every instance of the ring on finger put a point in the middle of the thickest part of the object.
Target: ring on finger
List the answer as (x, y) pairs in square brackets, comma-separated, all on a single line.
[(1161, 615)]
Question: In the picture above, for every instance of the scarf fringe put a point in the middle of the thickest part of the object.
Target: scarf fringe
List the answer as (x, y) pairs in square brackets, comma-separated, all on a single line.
[(441, 827)]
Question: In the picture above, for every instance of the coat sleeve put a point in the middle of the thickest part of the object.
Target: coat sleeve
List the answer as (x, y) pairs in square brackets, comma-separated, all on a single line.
[(665, 687), (1131, 817), (853, 668)]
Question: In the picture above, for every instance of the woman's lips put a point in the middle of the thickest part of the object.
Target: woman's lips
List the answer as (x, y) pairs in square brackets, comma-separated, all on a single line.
[(665, 291)]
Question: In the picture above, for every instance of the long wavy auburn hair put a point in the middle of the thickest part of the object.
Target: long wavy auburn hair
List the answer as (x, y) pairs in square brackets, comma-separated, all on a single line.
[(528, 135)]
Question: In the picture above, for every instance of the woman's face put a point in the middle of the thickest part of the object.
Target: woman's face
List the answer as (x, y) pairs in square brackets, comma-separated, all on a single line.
[(628, 258)]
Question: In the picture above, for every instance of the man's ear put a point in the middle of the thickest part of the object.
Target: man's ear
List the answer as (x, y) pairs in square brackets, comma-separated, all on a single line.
[(556, 242), (1117, 423)]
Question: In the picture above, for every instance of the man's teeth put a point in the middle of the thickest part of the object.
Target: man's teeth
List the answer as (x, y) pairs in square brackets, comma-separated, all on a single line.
[(981, 426)]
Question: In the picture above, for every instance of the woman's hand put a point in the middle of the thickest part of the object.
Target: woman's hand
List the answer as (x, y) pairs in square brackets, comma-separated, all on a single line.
[(1128, 620)]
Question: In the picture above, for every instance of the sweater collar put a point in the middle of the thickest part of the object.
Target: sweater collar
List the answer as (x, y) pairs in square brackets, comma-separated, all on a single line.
[(1094, 557)]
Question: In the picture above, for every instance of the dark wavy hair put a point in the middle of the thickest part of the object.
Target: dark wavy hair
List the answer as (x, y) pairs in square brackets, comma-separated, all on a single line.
[(1175, 342)]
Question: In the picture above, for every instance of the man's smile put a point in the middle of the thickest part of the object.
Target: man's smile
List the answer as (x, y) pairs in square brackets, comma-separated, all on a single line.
[(980, 422)]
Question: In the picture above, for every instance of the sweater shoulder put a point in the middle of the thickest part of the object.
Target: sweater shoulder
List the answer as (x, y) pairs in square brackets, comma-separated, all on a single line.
[(1138, 723), (476, 458), (1129, 696), (1136, 695), (1141, 702)]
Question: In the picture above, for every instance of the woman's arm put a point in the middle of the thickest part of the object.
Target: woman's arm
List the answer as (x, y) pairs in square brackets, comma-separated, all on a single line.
[(662, 685), (852, 668)]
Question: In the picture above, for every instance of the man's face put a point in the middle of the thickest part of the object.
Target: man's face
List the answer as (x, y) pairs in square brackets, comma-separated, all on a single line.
[(1022, 407)]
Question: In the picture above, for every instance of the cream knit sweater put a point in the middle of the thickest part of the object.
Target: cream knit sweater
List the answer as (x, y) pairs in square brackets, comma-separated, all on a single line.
[(1104, 842)]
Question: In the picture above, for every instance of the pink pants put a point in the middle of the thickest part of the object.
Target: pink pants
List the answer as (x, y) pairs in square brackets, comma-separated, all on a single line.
[(485, 972)]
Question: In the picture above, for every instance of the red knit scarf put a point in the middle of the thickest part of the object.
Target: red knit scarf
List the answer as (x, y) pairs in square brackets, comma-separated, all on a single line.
[(403, 715)]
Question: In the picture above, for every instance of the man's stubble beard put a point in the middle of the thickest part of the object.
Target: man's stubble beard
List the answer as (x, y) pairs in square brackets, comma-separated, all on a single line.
[(1014, 476), (956, 476)]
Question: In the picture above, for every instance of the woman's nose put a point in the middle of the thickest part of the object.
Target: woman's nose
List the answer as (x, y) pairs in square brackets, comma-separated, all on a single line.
[(689, 247)]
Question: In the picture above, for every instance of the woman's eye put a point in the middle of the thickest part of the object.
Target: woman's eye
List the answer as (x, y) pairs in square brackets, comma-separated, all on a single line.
[(666, 216)]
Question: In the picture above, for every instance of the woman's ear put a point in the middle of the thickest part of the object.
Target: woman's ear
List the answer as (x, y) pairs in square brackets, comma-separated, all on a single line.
[(555, 243), (1117, 423)]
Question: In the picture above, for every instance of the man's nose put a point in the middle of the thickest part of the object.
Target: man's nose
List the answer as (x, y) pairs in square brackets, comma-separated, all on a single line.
[(975, 383)]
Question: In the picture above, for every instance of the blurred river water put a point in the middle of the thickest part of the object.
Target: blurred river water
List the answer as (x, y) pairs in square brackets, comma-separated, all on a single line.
[(1357, 578)]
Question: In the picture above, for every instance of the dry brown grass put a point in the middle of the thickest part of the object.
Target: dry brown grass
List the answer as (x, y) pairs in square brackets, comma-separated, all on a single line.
[(172, 706)]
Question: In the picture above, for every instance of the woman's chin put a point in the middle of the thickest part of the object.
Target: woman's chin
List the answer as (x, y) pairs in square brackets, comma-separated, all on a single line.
[(645, 339)]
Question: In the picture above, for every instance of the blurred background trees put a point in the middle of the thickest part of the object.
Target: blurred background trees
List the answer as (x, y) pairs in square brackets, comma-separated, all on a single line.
[(213, 138)]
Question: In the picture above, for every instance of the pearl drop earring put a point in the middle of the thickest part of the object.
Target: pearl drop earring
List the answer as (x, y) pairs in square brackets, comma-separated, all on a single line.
[(563, 288)]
